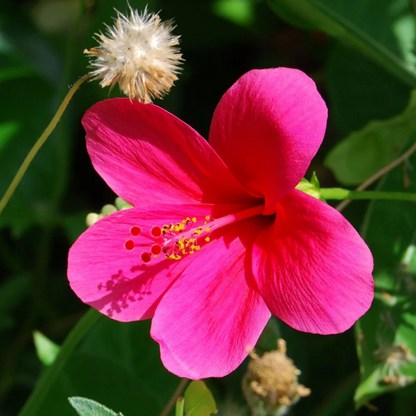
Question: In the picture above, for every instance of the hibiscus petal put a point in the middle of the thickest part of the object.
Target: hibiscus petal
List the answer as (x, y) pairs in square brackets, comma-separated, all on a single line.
[(114, 280), (267, 128), (147, 155), (210, 318), (312, 267)]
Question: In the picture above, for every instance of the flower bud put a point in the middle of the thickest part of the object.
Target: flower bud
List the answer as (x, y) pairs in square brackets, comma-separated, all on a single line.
[(106, 210)]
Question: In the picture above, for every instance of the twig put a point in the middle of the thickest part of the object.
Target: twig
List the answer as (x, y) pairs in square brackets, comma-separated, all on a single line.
[(379, 174)]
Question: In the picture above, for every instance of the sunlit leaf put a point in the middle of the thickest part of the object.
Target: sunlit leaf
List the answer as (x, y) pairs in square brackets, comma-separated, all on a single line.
[(199, 400), (88, 407), (46, 349)]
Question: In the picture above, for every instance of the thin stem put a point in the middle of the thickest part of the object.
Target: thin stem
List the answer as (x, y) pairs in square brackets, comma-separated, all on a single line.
[(50, 375), (71, 43), (180, 404), (173, 399), (340, 193), (39, 143), (380, 173)]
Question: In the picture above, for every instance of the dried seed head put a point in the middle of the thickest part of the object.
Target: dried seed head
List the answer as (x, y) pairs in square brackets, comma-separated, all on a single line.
[(139, 53), (271, 382)]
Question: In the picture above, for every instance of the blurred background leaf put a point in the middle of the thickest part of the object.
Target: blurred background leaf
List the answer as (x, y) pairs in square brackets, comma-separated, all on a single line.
[(360, 90), (383, 30), (386, 339), (118, 365), (363, 153)]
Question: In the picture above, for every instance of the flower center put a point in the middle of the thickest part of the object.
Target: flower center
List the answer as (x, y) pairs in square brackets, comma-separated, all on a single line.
[(175, 241)]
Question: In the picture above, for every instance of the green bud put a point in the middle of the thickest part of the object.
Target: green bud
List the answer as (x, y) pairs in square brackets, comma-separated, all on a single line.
[(108, 210), (121, 204), (312, 188)]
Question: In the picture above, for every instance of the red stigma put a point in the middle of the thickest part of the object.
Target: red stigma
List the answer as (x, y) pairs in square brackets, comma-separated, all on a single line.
[(156, 231), (135, 231), (155, 249), (129, 245), (145, 257)]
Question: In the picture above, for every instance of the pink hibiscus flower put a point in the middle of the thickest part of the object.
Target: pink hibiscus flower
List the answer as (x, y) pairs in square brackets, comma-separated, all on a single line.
[(219, 237)]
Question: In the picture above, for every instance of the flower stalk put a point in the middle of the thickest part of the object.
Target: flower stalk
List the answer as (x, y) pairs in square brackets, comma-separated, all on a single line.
[(345, 194), (39, 143), (176, 399)]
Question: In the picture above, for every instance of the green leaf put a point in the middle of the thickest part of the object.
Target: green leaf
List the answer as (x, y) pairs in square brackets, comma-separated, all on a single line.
[(383, 29), (240, 12), (88, 407), (118, 364), (366, 151), (7, 130), (45, 348), (13, 291), (386, 341), (30, 75), (199, 400), (23, 121), (24, 48), (357, 90)]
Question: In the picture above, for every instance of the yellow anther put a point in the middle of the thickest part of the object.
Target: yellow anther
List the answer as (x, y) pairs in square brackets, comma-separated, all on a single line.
[(193, 219), (207, 217), (207, 239), (207, 229)]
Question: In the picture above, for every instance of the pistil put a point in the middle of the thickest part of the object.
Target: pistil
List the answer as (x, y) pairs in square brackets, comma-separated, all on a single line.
[(184, 238)]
